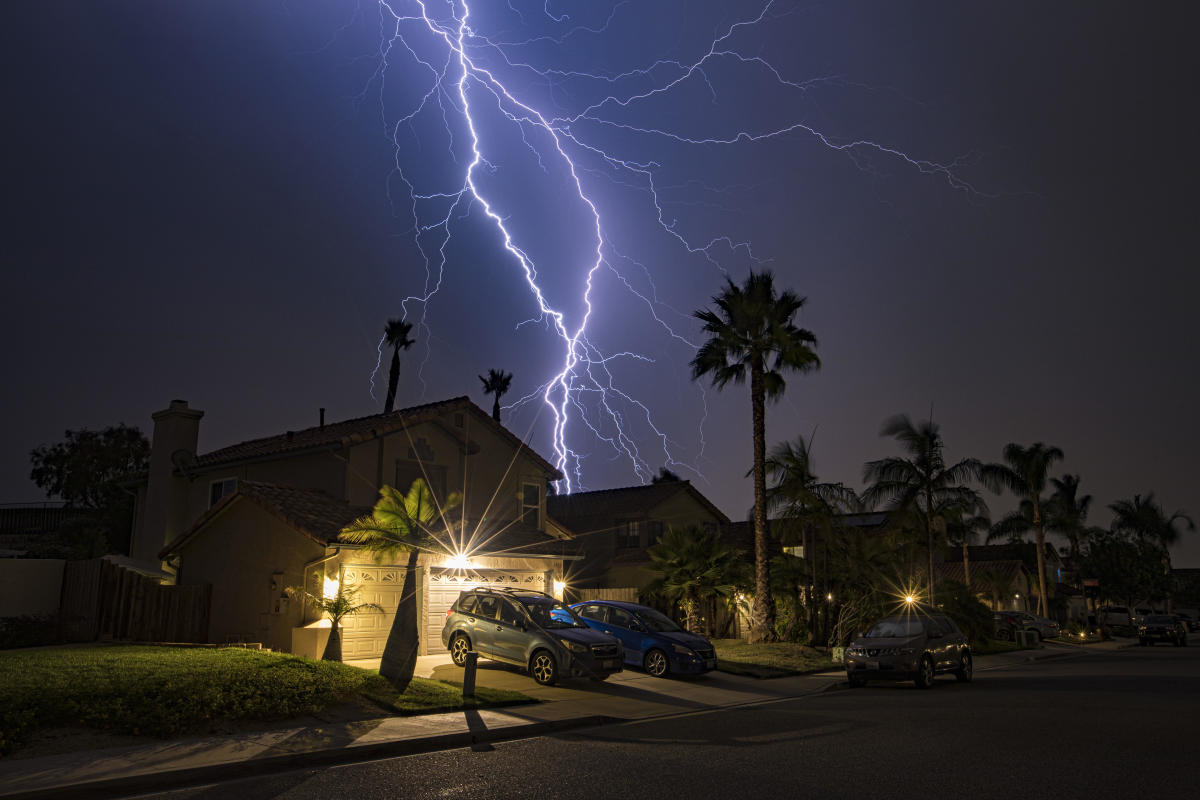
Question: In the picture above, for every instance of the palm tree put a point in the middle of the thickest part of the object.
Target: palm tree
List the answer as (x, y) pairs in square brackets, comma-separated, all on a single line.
[(496, 383), (1066, 513), (1024, 473), (805, 503), (962, 523), (665, 476), (752, 333), (344, 603), (920, 485), (1145, 518), (396, 334), (995, 583), (409, 524), (695, 567)]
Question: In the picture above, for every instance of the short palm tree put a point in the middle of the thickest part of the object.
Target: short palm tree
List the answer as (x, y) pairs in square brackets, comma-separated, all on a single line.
[(1145, 519), (496, 383), (994, 583), (403, 524), (962, 524), (920, 486), (396, 333), (1067, 512), (695, 567), (752, 334), (1024, 473), (344, 603)]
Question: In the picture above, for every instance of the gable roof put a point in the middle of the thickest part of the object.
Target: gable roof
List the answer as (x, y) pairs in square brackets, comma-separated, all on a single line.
[(317, 515), (352, 431), (583, 509)]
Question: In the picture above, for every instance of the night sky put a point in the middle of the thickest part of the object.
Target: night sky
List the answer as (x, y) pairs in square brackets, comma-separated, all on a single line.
[(202, 201)]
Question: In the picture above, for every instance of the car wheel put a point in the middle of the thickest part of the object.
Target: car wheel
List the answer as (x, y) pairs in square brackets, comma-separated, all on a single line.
[(656, 663), (1037, 635), (543, 668), (966, 668), (1004, 635), (855, 681), (460, 645), (924, 679)]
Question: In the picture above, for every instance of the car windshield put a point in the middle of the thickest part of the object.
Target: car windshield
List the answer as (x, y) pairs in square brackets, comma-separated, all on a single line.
[(894, 627), (657, 623), (1160, 619), (551, 614)]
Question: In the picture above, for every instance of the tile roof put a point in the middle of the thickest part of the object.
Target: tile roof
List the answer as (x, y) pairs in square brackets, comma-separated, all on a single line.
[(580, 509), (1011, 570), (352, 431), (317, 515)]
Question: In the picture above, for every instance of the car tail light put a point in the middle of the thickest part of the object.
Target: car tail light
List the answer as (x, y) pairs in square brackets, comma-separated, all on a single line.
[(449, 611)]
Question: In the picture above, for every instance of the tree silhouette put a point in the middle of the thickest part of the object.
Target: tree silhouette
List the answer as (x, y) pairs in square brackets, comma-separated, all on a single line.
[(396, 333), (496, 383)]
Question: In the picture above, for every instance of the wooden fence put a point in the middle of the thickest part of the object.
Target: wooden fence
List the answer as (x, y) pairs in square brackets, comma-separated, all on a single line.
[(623, 595), (101, 600)]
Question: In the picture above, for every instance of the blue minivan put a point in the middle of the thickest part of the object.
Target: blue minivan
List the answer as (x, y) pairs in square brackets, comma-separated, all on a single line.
[(650, 639)]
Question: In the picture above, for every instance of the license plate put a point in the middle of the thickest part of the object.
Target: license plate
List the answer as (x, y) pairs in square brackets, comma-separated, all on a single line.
[(608, 665)]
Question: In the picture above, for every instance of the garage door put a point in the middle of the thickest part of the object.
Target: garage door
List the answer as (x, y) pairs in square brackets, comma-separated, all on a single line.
[(365, 634), (444, 586)]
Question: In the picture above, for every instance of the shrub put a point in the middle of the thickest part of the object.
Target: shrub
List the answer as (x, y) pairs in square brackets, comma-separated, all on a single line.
[(973, 617)]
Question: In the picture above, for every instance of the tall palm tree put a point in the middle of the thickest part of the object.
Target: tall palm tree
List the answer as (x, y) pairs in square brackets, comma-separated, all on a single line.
[(1145, 518), (752, 334), (496, 383), (396, 333), (695, 567), (344, 603), (805, 504), (920, 485), (403, 524), (1066, 513), (1024, 473)]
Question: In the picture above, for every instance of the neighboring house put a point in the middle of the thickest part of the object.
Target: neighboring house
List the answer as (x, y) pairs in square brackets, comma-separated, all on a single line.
[(258, 517), (614, 528)]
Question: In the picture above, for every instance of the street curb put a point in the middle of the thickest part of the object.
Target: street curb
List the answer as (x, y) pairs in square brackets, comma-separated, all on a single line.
[(165, 781)]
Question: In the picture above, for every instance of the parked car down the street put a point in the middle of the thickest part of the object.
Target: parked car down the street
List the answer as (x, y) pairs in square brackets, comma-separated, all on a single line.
[(913, 646), (1005, 626), (1187, 620), (1162, 628), (528, 629), (650, 639), (1045, 628)]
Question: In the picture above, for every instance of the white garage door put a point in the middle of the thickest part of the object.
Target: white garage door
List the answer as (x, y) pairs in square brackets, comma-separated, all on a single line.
[(444, 586), (365, 634)]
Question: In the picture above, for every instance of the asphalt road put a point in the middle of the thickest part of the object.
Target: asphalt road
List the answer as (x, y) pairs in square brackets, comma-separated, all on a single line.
[(1115, 725)]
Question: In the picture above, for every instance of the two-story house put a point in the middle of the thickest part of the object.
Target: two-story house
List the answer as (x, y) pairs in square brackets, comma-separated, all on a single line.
[(614, 527), (257, 517)]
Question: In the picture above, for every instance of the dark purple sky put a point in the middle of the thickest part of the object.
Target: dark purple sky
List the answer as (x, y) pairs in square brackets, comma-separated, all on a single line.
[(201, 204)]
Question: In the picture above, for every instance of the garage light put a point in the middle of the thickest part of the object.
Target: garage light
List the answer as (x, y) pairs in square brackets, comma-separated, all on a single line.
[(330, 589), (459, 561)]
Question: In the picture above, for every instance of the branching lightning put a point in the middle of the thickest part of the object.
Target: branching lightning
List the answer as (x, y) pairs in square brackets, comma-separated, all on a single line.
[(465, 75)]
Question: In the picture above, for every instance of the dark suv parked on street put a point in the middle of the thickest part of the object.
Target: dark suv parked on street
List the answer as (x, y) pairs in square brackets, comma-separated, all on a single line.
[(529, 629), (911, 646)]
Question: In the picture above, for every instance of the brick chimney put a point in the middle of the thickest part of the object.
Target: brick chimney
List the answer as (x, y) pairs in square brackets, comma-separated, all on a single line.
[(176, 431)]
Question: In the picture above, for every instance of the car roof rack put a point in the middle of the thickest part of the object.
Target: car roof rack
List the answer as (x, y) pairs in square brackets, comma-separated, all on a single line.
[(509, 590)]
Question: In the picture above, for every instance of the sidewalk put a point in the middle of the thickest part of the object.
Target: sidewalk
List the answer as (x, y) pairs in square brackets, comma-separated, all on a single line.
[(629, 695)]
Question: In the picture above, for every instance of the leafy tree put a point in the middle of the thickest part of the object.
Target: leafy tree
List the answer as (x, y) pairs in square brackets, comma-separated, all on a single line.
[(403, 524), (344, 603), (1024, 473), (920, 485), (84, 471), (790, 580), (972, 616), (805, 506), (864, 580), (752, 334), (665, 476), (1127, 567), (695, 567), (396, 333), (496, 383)]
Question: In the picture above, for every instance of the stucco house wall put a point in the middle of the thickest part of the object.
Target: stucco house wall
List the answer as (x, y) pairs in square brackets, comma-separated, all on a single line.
[(249, 556)]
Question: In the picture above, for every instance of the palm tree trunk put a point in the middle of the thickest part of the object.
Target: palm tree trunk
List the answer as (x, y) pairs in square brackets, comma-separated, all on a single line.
[(966, 563), (496, 408), (400, 653), (393, 381), (333, 647), (762, 614), (929, 538), (1041, 558)]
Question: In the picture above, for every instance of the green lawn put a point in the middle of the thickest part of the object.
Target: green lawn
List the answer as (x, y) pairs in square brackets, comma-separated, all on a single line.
[(769, 660), (164, 691)]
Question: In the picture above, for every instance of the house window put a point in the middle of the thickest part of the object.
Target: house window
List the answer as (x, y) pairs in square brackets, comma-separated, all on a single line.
[(433, 474), (654, 532), (220, 489), (629, 534), (531, 496), (795, 550)]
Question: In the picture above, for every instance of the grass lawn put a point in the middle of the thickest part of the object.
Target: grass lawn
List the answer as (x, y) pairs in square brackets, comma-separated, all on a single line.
[(164, 691), (769, 660)]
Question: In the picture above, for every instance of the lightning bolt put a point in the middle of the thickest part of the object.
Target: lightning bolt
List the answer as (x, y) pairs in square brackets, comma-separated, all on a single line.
[(462, 75)]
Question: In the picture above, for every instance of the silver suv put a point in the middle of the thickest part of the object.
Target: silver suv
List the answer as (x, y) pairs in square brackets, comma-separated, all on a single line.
[(529, 629)]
